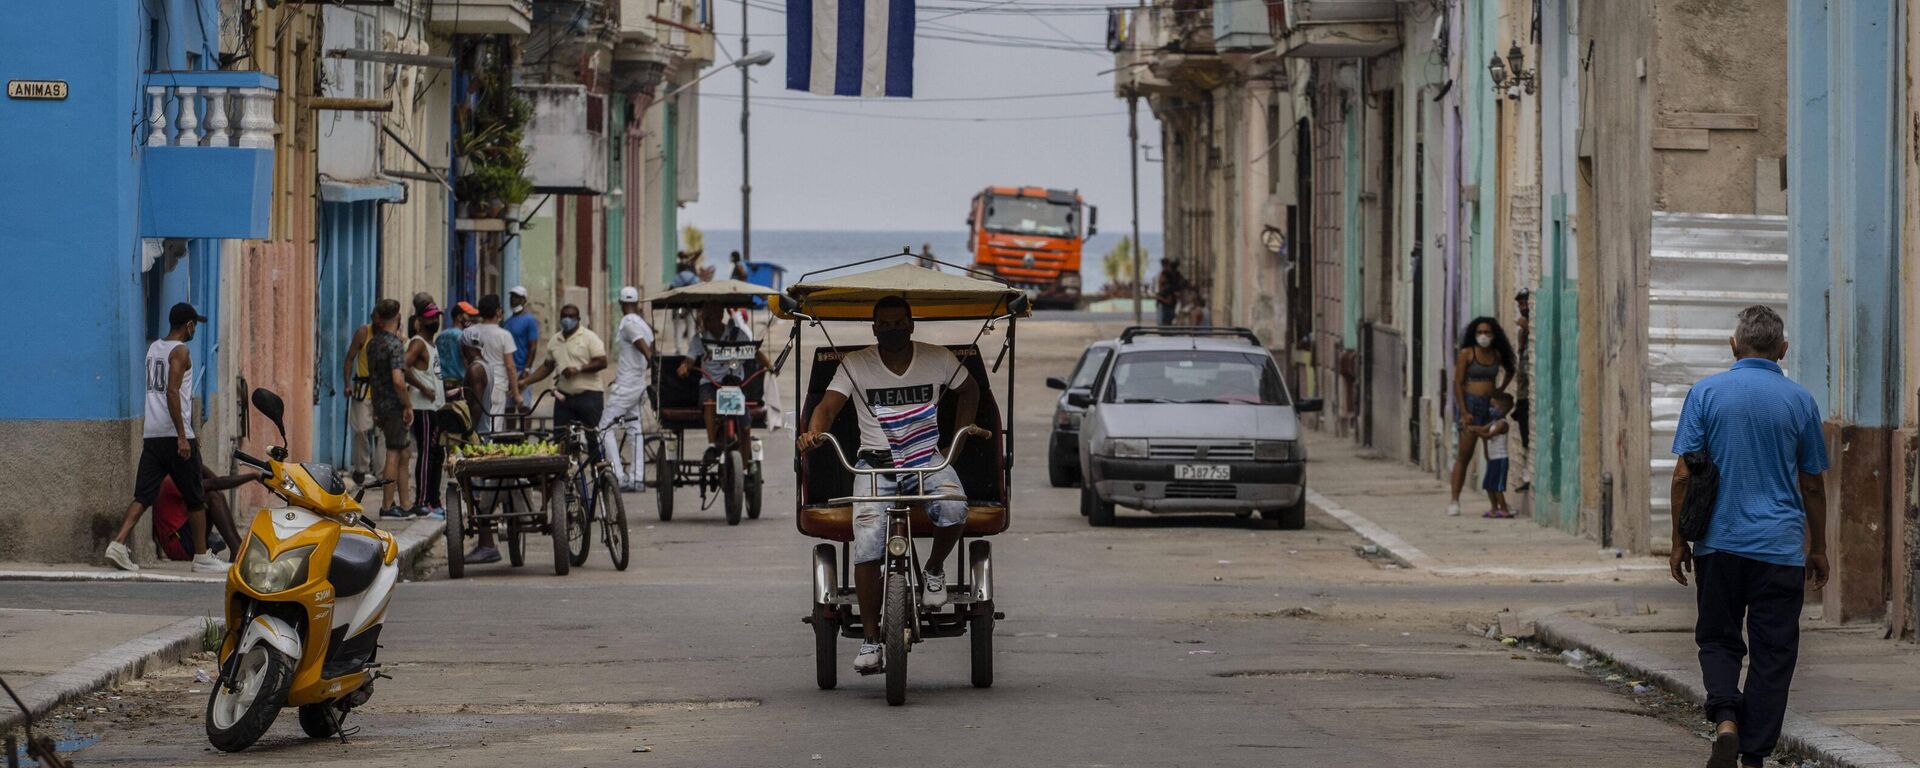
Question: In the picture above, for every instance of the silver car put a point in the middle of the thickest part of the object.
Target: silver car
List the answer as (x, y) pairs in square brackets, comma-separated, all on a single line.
[(1192, 420)]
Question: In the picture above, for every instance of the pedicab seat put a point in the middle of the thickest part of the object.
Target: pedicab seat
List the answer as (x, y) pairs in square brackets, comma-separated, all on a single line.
[(679, 397)]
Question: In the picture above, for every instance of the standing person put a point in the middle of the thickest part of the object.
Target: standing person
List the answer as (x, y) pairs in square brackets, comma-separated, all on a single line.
[(496, 353), (526, 336), (421, 300), (392, 408), (168, 448), (683, 316), (739, 272), (362, 442), (447, 344), (1170, 285), (1495, 435), (1766, 542), (1484, 357), (633, 344), (579, 355), (427, 395), (926, 256)]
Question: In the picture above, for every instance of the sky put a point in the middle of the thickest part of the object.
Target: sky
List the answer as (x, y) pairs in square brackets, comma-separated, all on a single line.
[(866, 168)]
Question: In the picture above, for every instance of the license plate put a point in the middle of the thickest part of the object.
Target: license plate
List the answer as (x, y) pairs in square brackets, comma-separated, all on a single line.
[(732, 401), (730, 352), (1202, 472)]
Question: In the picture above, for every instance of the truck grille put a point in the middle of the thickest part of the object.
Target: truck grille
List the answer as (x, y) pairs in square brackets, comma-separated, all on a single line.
[(1191, 451), (1187, 489)]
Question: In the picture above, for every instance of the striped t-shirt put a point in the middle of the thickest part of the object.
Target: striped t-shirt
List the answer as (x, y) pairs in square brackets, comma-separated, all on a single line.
[(1762, 430), (900, 413)]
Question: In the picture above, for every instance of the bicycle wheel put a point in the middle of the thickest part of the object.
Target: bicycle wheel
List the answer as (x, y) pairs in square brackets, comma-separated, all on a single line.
[(613, 519), (733, 485), (893, 631), (580, 514)]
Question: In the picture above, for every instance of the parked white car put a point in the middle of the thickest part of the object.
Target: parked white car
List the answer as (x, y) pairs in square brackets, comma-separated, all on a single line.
[(1192, 420)]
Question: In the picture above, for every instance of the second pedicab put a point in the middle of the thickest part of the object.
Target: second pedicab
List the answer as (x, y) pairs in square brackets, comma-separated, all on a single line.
[(732, 386)]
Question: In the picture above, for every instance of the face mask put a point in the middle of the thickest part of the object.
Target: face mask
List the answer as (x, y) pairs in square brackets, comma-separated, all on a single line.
[(519, 308), (896, 339), (569, 323), (1485, 339), (429, 329)]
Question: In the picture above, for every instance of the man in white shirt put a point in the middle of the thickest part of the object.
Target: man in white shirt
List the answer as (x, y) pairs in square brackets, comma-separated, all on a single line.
[(496, 353), (633, 343), (899, 382)]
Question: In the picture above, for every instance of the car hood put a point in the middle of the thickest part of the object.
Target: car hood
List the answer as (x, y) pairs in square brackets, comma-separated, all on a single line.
[(1205, 421)]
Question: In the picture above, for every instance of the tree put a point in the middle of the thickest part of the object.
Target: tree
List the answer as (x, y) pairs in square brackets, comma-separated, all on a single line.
[(692, 239), (1118, 264)]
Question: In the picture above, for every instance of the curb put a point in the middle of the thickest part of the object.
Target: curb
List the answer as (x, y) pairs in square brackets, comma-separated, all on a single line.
[(414, 541), (111, 667), (1801, 734), (1389, 543)]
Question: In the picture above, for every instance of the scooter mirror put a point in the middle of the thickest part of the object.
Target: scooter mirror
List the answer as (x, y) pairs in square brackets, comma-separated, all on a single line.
[(269, 405)]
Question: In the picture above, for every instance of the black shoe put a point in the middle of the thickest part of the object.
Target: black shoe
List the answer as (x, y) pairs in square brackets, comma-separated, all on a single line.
[(1726, 751), (394, 512)]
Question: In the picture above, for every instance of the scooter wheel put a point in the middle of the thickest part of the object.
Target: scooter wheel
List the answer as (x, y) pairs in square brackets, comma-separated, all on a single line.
[(320, 721), (238, 718)]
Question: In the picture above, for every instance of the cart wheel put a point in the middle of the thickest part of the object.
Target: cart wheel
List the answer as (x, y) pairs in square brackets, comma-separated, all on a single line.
[(456, 534), (826, 632), (893, 628), (663, 487), (980, 631), (733, 485), (581, 506), (1099, 513), (516, 541), (755, 481), (560, 529), (613, 519)]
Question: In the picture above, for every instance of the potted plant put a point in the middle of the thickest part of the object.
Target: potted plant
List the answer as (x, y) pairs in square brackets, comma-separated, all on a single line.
[(492, 163)]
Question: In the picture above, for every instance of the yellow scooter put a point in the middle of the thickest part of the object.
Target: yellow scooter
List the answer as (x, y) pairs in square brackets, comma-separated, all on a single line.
[(305, 602)]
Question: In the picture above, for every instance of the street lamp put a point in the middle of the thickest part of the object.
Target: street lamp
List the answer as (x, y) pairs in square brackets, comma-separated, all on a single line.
[(755, 59), (1511, 75)]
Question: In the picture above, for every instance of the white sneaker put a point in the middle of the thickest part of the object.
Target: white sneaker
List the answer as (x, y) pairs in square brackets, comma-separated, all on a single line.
[(936, 596), (1453, 509), (867, 661), (121, 558), (207, 562)]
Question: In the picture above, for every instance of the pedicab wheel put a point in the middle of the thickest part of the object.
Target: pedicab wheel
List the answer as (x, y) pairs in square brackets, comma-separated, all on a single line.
[(516, 542), (1099, 513), (318, 721), (1288, 518), (733, 485), (238, 718), (826, 632), (980, 631), (559, 530), (580, 506), (893, 630), (613, 519), (663, 486), (456, 532), (754, 483)]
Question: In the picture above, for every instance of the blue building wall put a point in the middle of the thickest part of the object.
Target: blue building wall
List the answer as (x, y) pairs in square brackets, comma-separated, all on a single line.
[(69, 235)]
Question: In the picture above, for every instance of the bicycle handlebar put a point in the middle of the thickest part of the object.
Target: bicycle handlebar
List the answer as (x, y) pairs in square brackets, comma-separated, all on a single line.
[(953, 448)]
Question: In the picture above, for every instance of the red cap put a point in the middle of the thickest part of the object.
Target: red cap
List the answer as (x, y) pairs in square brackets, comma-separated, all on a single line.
[(467, 309)]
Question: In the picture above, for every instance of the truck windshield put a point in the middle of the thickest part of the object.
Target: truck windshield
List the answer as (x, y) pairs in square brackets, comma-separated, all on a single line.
[(1196, 376), (1031, 216)]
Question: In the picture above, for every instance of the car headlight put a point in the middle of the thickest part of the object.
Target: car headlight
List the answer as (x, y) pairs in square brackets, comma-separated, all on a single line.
[(1068, 420), (267, 574), (1276, 450), (1127, 449)]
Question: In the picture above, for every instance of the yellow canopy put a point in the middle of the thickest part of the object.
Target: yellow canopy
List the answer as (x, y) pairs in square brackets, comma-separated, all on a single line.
[(934, 295), (732, 293)]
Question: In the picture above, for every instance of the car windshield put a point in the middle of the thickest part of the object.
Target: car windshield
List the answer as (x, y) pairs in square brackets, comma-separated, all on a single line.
[(1089, 368), (1195, 376), (1031, 216)]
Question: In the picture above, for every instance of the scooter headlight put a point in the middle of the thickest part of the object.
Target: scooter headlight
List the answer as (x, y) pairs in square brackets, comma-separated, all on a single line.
[(267, 574)]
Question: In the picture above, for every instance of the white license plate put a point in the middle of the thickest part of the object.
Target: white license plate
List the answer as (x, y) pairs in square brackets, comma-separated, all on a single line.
[(1202, 472), (730, 352), (732, 401)]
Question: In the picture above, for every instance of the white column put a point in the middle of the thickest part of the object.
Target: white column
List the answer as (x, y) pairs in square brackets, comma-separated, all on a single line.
[(217, 118), (256, 117), (188, 134), (157, 116)]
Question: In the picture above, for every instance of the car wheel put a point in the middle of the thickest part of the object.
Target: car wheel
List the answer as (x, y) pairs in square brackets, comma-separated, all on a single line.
[(1058, 475), (1099, 513), (1288, 518)]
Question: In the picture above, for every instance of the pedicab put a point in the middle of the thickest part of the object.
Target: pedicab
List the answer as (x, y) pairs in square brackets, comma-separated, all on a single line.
[(826, 474), (728, 471)]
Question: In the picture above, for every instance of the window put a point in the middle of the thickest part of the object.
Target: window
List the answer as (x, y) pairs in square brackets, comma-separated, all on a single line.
[(1090, 364), (1193, 376)]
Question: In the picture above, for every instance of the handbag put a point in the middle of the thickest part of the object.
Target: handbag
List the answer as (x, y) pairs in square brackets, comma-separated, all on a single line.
[(1703, 489)]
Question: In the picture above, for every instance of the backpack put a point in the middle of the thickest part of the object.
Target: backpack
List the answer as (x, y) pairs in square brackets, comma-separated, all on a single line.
[(1703, 489)]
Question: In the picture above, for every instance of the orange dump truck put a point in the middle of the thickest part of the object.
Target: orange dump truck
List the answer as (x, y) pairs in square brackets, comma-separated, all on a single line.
[(1032, 237)]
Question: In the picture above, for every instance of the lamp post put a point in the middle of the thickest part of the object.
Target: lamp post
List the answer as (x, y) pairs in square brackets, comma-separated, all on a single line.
[(1511, 75)]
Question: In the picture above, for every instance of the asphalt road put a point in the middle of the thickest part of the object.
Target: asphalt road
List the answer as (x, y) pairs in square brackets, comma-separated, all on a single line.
[(1161, 642)]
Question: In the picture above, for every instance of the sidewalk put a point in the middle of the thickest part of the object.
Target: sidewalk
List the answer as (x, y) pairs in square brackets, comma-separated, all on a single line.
[(56, 656), (1403, 511), (415, 539), (1856, 696)]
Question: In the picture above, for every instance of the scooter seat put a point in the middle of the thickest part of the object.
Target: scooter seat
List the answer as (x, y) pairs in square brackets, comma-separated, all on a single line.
[(356, 561)]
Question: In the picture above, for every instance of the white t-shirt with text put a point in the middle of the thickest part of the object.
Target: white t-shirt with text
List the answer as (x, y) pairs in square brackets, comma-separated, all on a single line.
[(899, 413)]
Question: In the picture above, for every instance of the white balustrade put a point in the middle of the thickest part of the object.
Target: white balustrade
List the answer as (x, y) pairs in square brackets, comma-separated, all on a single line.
[(175, 112)]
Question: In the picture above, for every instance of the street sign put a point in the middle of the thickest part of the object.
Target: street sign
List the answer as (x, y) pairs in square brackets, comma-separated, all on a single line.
[(37, 89)]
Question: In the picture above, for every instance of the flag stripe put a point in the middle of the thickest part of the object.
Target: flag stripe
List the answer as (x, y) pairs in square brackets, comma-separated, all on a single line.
[(873, 65), (826, 45), (799, 45), (899, 72), (852, 48)]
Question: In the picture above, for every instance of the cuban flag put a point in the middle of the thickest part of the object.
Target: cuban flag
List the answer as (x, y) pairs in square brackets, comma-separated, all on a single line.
[(850, 47)]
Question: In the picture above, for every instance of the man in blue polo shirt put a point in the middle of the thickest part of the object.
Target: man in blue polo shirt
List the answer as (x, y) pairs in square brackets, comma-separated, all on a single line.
[(1766, 543), (526, 336)]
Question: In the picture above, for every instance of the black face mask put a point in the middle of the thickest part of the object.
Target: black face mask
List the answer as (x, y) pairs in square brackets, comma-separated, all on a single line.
[(429, 329), (895, 340)]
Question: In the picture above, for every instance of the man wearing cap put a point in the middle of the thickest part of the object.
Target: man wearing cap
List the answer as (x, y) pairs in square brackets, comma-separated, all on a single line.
[(579, 356), (496, 352), (526, 334), (447, 343), (168, 448), (634, 350)]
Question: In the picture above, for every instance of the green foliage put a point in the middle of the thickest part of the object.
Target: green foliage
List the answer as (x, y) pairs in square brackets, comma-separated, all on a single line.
[(493, 164), (692, 239), (1118, 263)]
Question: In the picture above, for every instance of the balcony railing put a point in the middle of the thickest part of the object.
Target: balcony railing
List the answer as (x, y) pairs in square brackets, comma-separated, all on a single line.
[(210, 108)]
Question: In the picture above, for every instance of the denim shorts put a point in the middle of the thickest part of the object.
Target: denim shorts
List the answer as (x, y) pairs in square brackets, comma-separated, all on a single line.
[(1479, 409), (870, 518)]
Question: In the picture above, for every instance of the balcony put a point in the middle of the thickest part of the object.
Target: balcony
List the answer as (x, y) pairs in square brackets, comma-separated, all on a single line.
[(566, 141), (1338, 29), (481, 17), (1164, 49), (206, 162)]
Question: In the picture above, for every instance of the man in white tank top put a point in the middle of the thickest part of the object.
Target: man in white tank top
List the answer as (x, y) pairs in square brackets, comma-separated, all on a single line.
[(168, 449)]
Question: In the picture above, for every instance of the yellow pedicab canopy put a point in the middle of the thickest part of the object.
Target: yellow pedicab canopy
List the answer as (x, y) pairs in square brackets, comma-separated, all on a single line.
[(934, 295), (728, 293)]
